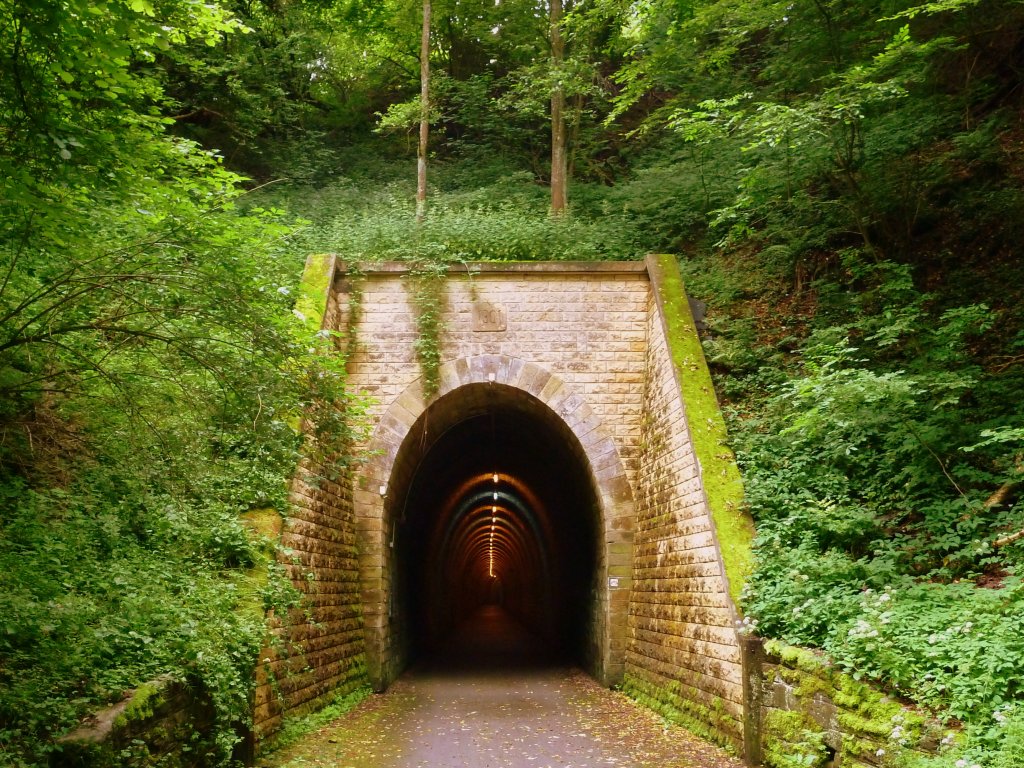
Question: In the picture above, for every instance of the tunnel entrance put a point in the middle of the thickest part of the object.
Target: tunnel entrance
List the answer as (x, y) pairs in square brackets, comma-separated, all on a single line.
[(493, 507)]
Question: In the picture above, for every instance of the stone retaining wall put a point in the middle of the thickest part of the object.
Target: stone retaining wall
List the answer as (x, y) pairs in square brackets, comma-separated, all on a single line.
[(807, 712), (683, 656), (317, 652), (163, 723)]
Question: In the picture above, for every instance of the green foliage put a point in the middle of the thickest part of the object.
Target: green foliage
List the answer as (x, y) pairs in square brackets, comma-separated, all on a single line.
[(427, 281), (295, 729), (951, 646), (865, 473), (505, 220), (150, 369)]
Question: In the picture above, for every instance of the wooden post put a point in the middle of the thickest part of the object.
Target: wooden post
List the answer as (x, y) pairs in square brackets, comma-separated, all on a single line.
[(752, 661)]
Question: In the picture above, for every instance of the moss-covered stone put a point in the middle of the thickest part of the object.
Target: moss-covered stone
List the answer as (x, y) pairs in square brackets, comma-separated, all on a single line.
[(314, 286), (711, 723), (723, 485), (163, 722), (861, 721), (140, 706), (791, 740)]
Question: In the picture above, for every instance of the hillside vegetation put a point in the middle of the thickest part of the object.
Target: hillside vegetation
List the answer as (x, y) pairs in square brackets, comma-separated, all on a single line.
[(842, 182)]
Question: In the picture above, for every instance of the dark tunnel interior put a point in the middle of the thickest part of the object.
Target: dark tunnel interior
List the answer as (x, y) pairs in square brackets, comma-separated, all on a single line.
[(495, 508)]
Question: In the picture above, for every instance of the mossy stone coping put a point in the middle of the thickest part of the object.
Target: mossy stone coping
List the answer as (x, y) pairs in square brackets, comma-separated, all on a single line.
[(720, 475)]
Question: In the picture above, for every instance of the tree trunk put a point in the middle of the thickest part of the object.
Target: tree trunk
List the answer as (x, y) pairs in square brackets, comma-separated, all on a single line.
[(421, 155), (559, 192)]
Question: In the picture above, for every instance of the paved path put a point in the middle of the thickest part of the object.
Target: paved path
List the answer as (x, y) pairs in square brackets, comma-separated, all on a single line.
[(491, 700)]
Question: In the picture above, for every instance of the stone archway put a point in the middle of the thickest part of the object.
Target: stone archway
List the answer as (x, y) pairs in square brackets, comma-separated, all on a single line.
[(410, 426)]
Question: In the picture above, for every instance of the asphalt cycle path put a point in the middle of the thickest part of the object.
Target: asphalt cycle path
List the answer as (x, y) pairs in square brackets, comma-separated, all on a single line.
[(493, 698)]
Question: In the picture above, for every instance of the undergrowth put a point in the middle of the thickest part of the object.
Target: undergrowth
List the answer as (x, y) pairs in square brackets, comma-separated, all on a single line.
[(295, 729), (500, 218), (881, 445)]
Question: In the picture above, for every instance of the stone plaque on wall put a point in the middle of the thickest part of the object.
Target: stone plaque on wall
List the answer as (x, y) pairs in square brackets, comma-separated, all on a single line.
[(489, 317)]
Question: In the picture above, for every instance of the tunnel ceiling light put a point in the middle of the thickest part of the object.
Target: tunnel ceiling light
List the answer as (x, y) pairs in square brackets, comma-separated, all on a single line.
[(494, 477), (495, 495), (490, 553)]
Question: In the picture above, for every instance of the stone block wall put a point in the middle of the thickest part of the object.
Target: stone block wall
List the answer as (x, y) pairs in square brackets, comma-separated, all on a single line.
[(150, 727), (571, 335), (585, 324), (807, 712), (317, 652), (683, 656)]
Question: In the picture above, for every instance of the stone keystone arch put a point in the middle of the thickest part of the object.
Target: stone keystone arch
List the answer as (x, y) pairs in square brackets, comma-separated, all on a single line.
[(374, 515)]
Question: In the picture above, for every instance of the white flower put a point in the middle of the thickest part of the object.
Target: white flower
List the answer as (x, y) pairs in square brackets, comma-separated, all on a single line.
[(879, 752), (323, 333), (284, 290), (961, 763), (884, 597), (299, 315)]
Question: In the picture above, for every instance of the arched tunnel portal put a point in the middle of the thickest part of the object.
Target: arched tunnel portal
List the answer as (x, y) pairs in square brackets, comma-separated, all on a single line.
[(493, 498), (499, 510), (583, 387)]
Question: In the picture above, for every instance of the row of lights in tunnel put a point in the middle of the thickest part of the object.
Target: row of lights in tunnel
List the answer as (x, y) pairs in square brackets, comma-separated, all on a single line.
[(494, 520)]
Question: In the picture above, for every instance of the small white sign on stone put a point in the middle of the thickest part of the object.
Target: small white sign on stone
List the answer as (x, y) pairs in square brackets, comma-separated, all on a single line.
[(613, 582), (488, 317)]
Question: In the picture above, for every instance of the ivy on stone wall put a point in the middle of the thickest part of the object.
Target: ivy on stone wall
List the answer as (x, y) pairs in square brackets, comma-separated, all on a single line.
[(426, 280)]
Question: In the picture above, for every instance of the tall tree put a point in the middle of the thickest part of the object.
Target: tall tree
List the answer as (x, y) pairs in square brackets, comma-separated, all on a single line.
[(421, 163), (559, 193)]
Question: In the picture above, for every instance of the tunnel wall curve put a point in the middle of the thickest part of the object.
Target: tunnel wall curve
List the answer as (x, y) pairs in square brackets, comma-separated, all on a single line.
[(375, 516)]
